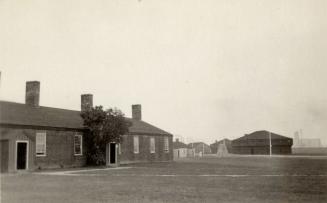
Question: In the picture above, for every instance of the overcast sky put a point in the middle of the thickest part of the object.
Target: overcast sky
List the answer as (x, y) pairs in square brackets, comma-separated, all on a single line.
[(203, 70)]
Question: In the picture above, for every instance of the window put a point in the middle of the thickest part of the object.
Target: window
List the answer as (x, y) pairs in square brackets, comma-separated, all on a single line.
[(152, 145), (78, 144), (166, 144), (136, 144), (41, 143)]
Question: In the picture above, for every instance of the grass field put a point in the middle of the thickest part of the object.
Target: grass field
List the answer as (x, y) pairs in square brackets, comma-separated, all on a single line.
[(211, 179)]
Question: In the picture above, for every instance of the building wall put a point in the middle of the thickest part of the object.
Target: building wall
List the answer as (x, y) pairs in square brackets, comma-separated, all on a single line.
[(60, 151), (4, 155), (59, 148), (262, 142), (261, 150), (261, 146), (203, 149), (180, 153), (282, 150), (190, 153), (127, 149)]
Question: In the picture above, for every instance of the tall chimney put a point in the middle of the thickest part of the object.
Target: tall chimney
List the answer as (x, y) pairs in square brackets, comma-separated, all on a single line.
[(137, 112), (32, 93), (86, 101)]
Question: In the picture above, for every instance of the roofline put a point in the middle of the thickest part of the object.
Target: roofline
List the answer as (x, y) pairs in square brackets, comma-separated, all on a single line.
[(40, 127), (265, 131), (198, 143), (58, 108), (77, 111), (29, 126), (20, 126), (150, 134)]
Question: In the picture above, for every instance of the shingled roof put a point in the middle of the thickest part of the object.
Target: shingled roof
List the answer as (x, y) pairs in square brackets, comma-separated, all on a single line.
[(12, 113)]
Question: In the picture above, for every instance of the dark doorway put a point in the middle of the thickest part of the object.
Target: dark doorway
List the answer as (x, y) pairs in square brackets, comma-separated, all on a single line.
[(21, 155), (4, 155), (112, 153), (252, 151)]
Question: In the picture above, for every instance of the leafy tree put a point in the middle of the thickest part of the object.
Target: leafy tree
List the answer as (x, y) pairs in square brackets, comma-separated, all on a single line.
[(103, 127)]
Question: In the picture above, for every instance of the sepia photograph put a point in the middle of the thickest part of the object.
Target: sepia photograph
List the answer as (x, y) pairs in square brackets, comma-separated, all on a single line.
[(163, 101)]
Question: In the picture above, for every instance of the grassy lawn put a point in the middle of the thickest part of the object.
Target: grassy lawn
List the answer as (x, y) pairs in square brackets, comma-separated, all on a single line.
[(276, 179)]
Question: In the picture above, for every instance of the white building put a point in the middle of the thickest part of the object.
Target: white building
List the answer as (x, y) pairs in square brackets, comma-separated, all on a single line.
[(305, 142)]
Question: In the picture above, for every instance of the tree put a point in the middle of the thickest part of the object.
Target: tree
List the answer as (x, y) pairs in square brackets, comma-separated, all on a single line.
[(102, 127)]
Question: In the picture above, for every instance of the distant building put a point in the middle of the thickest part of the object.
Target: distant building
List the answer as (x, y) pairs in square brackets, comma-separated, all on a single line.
[(181, 150), (305, 142), (259, 143), (215, 146), (307, 146), (200, 148)]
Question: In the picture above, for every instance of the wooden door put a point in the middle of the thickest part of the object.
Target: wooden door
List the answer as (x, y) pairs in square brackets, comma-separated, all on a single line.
[(4, 155)]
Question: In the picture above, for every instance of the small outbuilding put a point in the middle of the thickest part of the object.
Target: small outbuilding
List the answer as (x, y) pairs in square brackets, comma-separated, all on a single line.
[(259, 143), (181, 150)]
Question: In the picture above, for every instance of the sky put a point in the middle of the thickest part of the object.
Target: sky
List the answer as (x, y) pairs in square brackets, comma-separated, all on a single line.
[(202, 70)]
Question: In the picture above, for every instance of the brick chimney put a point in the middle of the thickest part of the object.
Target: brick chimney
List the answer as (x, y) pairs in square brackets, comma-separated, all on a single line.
[(32, 93), (137, 112), (86, 101)]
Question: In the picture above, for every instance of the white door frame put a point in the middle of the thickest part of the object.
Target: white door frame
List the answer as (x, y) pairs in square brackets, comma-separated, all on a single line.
[(27, 155)]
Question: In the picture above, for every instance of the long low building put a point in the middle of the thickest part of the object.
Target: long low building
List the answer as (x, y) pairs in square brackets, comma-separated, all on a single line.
[(259, 143), (38, 137)]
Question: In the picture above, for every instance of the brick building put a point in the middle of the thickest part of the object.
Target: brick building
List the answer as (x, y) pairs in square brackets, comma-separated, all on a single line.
[(36, 137), (259, 143)]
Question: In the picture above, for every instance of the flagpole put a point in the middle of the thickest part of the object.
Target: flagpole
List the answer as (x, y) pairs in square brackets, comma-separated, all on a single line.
[(270, 143), (202, 149), (193, 150)]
